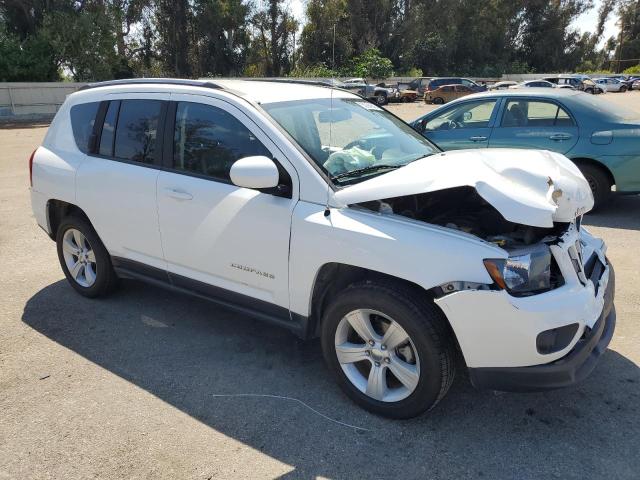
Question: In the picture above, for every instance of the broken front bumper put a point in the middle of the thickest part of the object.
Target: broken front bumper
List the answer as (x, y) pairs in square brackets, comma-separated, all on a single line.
[(572, 368)]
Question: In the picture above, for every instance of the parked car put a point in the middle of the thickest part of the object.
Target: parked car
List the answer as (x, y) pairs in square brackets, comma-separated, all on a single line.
[(502, 85), (365, 234), (534, 84), (576, 81), (446, 93), (611, 84), (378, 93), (603, 140), (407, 96), (636, 84), (422, 84)]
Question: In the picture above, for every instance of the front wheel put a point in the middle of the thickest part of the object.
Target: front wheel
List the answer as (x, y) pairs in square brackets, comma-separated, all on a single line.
[(438, 101), (389, 349), (381, 99)]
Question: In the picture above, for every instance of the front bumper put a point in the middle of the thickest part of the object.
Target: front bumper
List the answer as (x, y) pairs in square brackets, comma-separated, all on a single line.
[(572, 368)]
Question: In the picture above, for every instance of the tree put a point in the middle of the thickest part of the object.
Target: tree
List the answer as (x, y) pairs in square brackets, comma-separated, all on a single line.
[(371, 64), (173, 22), (273, 39), (221, 36), (319, 46)]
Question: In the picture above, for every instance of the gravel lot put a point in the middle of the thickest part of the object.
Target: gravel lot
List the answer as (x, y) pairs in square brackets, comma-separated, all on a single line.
[(128, 387)]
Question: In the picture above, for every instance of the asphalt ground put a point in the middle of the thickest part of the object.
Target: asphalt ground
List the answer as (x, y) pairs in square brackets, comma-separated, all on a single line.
[(150, 384)]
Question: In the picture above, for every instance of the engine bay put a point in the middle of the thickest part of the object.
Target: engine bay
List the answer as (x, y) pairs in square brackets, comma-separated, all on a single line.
[(462, 208)]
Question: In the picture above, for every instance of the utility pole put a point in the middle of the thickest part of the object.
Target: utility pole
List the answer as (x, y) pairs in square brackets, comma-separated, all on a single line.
[(620, 44)]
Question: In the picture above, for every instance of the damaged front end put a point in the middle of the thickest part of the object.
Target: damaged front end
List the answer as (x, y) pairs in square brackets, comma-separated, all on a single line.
[(549, 290), (528, 269)]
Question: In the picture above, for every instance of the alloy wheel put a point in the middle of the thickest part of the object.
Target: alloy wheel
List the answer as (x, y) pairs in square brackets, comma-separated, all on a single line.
[(377, 355), (79, 257)]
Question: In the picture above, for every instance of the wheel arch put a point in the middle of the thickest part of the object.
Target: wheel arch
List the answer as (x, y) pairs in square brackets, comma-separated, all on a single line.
[(596, 164), (333, 277), (57, 210)]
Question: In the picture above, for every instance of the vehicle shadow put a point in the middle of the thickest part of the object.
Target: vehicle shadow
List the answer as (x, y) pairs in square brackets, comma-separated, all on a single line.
[(622, 211), (185, 351)]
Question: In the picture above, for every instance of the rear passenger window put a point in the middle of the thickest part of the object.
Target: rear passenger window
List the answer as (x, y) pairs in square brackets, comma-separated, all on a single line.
[(208, 140), (83, 117), (136, 130), (522, 113)]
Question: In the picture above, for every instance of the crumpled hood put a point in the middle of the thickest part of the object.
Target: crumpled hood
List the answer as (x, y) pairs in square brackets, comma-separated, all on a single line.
[(530, 187)]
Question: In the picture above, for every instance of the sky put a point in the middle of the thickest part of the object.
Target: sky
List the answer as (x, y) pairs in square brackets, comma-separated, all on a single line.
[(586, 22)]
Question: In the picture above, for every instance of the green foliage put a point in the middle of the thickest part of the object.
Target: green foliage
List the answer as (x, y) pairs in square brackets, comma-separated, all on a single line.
[(100, 39), (312, 71), (371, 64), (28, 61), (632, 70)]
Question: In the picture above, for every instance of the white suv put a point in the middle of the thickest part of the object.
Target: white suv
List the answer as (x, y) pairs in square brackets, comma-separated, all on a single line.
[(318, 211)]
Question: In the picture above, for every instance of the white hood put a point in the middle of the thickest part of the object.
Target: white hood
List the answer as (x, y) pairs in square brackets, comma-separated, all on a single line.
[(530, 187)]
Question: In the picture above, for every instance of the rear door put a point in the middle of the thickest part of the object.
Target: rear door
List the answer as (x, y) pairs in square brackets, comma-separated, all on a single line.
[(116, 184), (535, 123), (463, 125)]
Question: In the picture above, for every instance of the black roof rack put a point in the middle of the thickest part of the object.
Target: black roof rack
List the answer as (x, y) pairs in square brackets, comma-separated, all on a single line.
[(319, 83), (153, 81)]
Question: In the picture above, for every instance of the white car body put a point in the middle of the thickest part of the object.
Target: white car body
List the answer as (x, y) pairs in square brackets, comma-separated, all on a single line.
[(275, 247)]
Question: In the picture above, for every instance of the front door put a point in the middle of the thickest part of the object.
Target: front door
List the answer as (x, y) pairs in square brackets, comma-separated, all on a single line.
[(539, 124), (219, 238), (465, 125)]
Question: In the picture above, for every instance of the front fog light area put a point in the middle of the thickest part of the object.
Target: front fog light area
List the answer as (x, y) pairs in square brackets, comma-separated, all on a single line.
[(527, 270)]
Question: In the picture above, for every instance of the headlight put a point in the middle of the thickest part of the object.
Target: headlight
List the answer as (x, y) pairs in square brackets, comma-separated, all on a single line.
[(526, 270)]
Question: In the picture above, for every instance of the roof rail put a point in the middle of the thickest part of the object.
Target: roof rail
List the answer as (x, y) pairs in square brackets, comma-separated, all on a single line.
[(153, 81), (319, 83)]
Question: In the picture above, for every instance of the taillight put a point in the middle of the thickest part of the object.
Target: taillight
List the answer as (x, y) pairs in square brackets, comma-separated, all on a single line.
[(31, 167)]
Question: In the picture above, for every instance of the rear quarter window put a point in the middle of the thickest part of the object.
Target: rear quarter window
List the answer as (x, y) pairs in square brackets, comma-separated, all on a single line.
[(83, 116)]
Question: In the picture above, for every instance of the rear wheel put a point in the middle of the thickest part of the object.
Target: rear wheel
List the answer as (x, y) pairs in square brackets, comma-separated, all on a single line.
[(84, 259), (598, 182), (389, 349)]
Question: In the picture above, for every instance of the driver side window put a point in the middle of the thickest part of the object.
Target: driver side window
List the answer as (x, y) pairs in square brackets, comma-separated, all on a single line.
[(467, 115)]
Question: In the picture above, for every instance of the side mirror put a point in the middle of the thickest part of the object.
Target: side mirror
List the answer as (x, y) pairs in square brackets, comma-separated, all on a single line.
[(255, 172), (420, 125)]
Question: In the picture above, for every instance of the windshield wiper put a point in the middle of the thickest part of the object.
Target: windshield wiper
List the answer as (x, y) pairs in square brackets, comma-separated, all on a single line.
[(358, 171)]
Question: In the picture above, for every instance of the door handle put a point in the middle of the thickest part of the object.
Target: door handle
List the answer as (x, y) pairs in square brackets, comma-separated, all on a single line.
[(478, 139), (177, 194), (558, 137)]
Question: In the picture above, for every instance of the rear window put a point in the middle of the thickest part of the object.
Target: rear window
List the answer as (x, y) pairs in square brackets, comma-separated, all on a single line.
[(83, 117)]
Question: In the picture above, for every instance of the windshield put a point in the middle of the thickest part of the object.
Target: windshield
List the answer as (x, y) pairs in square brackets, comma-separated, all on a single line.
[(347, 135)]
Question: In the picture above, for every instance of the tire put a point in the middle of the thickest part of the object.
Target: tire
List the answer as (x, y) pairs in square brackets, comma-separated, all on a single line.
[(92, 278), (429, 346), (438, 101), (599, 183), (590, 91), (623, 89), (381, 99)]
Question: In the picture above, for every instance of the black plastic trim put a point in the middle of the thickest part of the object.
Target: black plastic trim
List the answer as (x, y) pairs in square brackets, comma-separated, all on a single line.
[(570, 369), (268, 312), (152, 81)]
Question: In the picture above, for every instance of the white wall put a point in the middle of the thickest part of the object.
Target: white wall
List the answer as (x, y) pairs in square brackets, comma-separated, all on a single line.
[(25, 99)]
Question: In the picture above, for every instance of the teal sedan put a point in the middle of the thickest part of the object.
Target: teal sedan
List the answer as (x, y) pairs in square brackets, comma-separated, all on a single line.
[(603, 140)]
